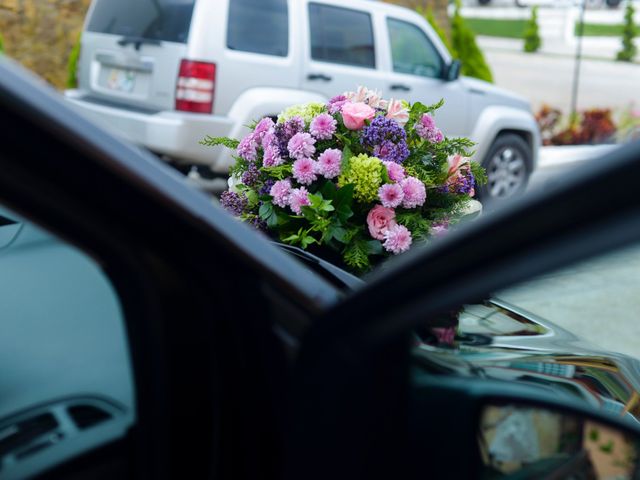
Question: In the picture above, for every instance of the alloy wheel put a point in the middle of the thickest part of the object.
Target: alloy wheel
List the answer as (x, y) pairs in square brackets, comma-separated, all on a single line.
[(506, 173)]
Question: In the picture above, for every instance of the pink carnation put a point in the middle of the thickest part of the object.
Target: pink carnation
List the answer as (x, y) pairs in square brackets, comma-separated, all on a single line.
[(247, 148), (415, 193), (354, 115), (329, 163), (272, 156), (298, 198), (397, 239), (379, 220), (323, 126), (304, 171), (280, 192), (391, 195), (395, 171), (262, 128), (301, 145)]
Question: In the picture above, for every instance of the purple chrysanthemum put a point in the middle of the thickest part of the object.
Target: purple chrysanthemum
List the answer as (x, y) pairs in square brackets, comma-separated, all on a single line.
[(415, 193), (335, 104), (248, 148), (280, 192), (387, 139), (330, 163), (390, 195), (298, 198), (397, 239), (301, 146), (395, 171), (323, 126), (233, 202), (304, 171)]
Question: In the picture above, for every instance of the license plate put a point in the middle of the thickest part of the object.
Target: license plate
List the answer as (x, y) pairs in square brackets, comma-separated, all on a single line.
[(121, 80)]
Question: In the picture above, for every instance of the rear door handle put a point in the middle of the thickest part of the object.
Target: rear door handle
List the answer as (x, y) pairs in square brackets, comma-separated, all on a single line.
[(319, 76), (403, 88)]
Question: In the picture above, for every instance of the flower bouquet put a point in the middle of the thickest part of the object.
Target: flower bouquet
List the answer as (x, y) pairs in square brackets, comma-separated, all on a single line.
[(359, 177)]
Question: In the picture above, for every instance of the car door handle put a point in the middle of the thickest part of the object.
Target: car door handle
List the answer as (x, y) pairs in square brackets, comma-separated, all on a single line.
[(400, 87), (319, 76)]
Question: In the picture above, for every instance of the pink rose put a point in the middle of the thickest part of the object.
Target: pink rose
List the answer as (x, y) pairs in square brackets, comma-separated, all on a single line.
[(354, 115), (380, 219)]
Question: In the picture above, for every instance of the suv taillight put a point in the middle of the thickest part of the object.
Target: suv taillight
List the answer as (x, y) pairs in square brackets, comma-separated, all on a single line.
[(196, 84)]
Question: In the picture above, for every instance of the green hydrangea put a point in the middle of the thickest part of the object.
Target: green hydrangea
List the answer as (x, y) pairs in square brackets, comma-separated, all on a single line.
[(308, 111), (365, 174)]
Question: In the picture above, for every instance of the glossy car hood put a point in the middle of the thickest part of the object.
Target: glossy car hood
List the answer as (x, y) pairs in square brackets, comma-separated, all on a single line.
[(540, 354)]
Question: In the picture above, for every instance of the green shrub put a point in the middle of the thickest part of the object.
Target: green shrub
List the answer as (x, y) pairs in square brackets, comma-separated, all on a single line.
[(629, 32), (532, 41), (72, 65), (465, 48), (428, 14)]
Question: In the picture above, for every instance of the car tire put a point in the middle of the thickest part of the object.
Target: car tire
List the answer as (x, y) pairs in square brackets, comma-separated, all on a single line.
[(613, 3), (484, 2), (508, 166)]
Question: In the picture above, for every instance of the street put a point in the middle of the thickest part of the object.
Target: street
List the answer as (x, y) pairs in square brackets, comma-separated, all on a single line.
[(546, 79), (598, 300)]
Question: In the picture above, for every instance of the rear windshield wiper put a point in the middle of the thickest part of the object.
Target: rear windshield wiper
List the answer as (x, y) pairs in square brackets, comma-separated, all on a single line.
[(137, 41)]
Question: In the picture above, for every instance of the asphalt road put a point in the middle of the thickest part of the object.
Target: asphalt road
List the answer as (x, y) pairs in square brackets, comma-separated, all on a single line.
[(549, 79), (599, 300)]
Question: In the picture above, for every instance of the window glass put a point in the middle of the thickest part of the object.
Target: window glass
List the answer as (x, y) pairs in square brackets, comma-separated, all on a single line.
[(339, 35), (412, 52), (66, 373), (259, 26), (167, 20)]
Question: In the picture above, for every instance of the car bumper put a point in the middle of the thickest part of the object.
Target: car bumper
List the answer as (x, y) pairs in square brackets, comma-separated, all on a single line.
[(174, 134)]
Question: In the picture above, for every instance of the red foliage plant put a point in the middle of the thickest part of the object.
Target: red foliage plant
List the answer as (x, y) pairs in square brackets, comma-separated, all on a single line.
[(591, 127)]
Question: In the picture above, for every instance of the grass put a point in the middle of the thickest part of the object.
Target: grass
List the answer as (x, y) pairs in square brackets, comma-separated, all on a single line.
[(491, 27), (497, 28)]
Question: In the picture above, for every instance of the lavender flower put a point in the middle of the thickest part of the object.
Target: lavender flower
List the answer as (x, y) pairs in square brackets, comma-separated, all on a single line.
[(426, 128), (251, 176), (233, 202), (266, 187), (293, 125), (387, 138)]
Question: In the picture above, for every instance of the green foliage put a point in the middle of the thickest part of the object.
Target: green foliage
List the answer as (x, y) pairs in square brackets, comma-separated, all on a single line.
[(72, 64), (210, 141), (629, 32), (415, 222), (465, 48), (532, 41), (428, 14), (356, 254), (279, 172), (479, 173), (1, 44), (497, 27)]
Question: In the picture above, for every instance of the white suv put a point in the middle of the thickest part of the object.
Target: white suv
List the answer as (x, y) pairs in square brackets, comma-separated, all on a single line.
[(165, 73)]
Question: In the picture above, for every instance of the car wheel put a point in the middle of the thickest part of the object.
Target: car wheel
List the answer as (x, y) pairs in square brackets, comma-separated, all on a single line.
[(613, 3), (484, 2), (508, 165)]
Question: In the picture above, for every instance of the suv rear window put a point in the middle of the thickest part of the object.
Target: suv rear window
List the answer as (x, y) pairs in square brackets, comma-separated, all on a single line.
[(166, 20), (259, 26), (341, 35)]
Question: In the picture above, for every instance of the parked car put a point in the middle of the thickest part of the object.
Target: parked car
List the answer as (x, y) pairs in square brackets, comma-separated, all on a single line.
[(245, 363), (168, 73)]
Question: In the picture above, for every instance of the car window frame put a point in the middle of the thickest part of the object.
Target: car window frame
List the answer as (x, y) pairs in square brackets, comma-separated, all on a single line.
[(366, 13), (436, 52)]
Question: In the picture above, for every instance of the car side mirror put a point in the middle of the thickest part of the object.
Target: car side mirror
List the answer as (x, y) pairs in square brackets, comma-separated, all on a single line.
[(478, 428), (453, 70), (517, 440)]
